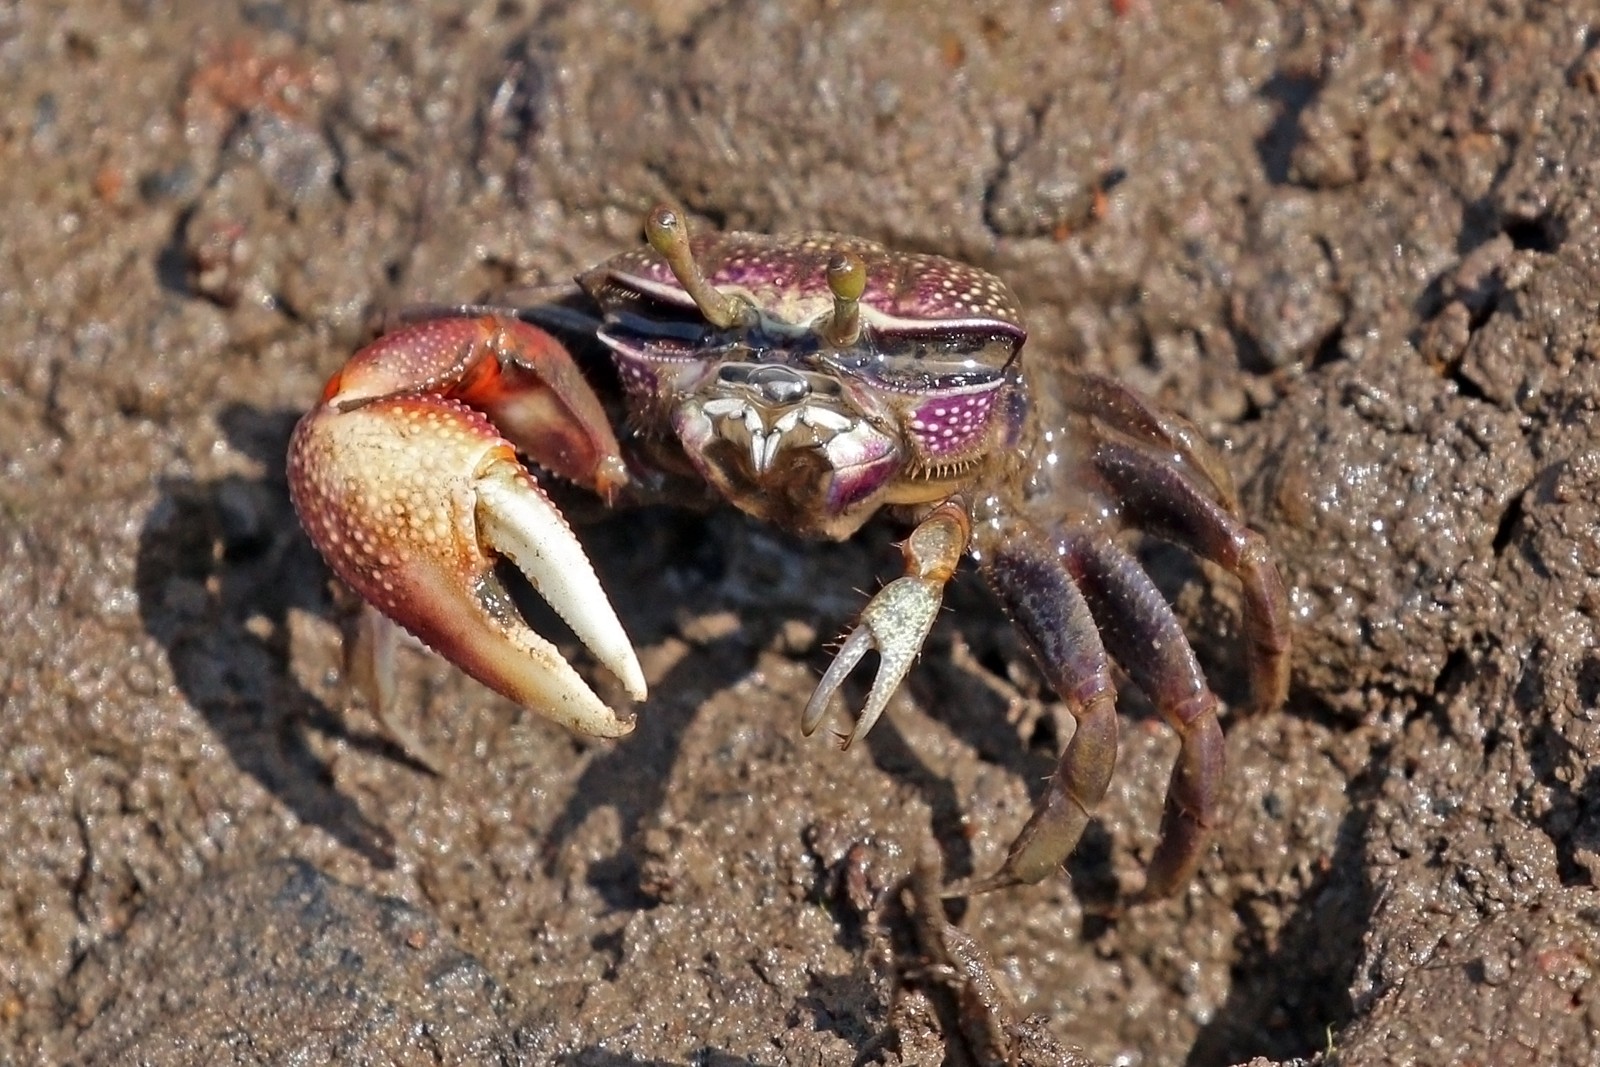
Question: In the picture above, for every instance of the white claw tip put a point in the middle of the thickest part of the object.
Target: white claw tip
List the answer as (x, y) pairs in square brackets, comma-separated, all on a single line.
[(517, 519)]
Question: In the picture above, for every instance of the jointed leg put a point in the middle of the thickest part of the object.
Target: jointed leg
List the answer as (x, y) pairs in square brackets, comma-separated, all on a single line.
[(1161, 500), (369, 666), (1131, 415), (1039, 595), (1145, 637)]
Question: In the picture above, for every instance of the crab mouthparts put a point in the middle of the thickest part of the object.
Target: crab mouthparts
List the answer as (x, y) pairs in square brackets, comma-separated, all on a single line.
[(745, 425), (807, 462)]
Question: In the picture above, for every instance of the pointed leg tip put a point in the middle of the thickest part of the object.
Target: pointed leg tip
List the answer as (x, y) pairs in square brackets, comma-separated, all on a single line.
[(1149, 892), (625, 725), (971, 887)]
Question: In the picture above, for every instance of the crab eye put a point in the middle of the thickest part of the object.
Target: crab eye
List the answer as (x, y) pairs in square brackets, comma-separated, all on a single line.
[(669, 360), (660, 325), (933, 376), (945, 386), (928, 365)]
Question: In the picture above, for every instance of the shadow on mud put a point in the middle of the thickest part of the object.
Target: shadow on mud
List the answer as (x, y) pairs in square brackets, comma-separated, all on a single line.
[(592, 1057), (723, 565), (223, 563), (1291, 986), (220, 566)]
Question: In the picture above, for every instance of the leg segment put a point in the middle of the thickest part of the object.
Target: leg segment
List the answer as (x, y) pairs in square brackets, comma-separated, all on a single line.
[(1144, 636), (1129, 414), (896, 621), (1039, 595), (1159, 498)]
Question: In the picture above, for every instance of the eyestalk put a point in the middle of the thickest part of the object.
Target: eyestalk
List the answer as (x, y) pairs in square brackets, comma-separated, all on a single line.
[(668, 234), (847, 280)]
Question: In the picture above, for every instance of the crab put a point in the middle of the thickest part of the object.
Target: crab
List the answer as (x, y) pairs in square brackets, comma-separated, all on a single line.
[(815, 381)]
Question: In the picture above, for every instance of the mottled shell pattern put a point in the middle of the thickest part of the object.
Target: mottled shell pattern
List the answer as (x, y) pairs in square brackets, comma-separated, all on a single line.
[(785, 276), (791, 417)]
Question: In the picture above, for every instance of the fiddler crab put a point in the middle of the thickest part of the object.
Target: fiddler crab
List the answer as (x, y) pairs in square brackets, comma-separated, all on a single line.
[(812, 380)]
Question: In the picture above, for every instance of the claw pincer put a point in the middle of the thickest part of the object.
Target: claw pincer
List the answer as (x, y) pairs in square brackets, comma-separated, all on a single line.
[(413, 493)]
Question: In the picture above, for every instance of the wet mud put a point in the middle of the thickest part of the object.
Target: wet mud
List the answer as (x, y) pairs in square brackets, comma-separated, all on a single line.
[(1354, 242)]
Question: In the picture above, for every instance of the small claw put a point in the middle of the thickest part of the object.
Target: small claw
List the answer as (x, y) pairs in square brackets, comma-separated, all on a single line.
[(895, 623), (897, 620), (411, 498)]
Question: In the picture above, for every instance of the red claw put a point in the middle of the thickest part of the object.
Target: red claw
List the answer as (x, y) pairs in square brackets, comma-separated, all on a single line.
[(407, 480)]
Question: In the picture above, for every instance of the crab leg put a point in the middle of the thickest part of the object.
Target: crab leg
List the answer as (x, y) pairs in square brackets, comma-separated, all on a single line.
[(1066, 598), (1130, 414), (1037, 592), (1160, 500), (412, 494), (1144, 636), (896, 621)]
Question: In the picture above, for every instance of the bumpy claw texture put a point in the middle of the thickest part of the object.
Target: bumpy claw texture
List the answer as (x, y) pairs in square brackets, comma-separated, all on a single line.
[(412, 497)]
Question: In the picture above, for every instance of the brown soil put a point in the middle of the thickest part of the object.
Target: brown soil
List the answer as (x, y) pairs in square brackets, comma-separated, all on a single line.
[(1355, 242)]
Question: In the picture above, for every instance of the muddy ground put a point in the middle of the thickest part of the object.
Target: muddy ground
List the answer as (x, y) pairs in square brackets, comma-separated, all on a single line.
[(1355, 241)]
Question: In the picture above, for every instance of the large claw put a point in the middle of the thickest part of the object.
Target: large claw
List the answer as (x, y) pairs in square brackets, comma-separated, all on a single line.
[(413, 495), (896, 621)]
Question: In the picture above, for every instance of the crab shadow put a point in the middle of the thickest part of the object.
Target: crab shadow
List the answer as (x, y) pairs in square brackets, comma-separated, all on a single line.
[(221, 565), (702, 567), (1290, 989), (757, 581), (597, 1057)]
